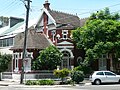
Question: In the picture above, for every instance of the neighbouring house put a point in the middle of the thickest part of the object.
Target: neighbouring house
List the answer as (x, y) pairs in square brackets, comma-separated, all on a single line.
[(7, 35), (35, 43)]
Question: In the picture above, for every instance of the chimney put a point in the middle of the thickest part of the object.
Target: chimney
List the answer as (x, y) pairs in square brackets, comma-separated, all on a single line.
[(46, 5)]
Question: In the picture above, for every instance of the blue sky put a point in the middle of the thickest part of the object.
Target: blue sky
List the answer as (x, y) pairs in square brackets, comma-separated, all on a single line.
[(83, 8)]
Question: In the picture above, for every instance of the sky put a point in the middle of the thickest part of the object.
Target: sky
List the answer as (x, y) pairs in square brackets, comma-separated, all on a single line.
[(82, 8)]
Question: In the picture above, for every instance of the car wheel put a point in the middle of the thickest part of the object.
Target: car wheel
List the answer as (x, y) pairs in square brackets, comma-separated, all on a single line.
[(119, 81), (97, 82)]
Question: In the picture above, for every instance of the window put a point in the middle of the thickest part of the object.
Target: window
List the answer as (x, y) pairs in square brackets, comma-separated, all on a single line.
[(30, 54), (20, 55), (66, 60), (100, 73), (1, 43), (65, 33), (53, 35), (6, 42), (109, 74), (16, 58)]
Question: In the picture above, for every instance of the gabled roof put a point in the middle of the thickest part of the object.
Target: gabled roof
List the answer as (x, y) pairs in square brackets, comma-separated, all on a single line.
[(3, 29), (65, 18), (68, 21), (34, 41), (83, 21), (7, 31)]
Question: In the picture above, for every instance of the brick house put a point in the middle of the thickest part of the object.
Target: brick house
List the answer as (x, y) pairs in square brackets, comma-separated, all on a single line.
[(34, 45), (57, 26)]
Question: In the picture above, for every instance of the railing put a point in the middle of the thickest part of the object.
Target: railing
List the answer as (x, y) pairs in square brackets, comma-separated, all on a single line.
[(6, 75), (43, 74)]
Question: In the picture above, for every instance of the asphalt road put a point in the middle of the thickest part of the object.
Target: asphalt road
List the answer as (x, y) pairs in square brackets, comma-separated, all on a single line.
[(86, 87), (100, 87)]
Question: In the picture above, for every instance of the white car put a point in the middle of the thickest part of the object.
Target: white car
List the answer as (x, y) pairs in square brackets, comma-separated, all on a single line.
[(99, 77)]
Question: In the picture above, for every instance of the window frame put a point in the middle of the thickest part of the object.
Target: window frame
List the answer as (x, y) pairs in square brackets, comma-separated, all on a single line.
[(65, 34)]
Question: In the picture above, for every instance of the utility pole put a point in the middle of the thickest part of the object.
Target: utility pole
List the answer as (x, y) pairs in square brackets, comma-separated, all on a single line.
[(25, 40)]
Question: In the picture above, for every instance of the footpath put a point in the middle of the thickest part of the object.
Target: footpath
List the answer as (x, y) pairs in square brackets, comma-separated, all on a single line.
[(10, 82)]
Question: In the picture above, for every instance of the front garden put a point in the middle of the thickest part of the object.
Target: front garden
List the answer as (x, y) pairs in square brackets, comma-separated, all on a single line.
[(65, 76)]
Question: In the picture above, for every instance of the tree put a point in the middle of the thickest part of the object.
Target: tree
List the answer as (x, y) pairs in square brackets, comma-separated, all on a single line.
[(100, 35), (48, 59), (4, 21), (4, 61)]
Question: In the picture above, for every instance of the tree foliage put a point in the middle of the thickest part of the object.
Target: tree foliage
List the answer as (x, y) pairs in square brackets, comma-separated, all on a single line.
[(4, 61), (4, 21), (48, 59), (100, 35)]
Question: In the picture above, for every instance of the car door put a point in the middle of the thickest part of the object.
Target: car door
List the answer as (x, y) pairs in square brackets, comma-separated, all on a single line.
[(110, 77), (100, 75)]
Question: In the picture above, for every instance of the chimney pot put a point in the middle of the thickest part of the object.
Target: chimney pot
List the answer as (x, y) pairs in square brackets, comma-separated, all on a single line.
[(46, 5)]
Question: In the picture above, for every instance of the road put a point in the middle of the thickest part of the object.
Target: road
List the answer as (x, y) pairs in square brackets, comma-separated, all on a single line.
[(86, 87), (100, 87)]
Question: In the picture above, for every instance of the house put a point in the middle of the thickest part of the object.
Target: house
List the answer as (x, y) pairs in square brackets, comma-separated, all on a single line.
[(7, 35), (34, 46), (52, 27), (57, 26)]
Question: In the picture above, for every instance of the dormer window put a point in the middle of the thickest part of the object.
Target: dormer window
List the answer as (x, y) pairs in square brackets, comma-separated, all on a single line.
[(65, 34)]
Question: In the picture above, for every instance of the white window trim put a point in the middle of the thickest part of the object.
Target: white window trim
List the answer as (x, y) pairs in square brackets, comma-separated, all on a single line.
[(65, 34), (53, 35), (30, 53), (16, 59)]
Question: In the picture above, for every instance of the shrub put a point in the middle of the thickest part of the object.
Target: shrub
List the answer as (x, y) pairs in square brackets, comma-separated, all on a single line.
[(39, 82), (28, 82), (46, 82), (77, 76), (61, 73), (86, 70)]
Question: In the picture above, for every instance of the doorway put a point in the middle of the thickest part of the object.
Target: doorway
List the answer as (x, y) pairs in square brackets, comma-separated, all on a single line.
[(66, 60)]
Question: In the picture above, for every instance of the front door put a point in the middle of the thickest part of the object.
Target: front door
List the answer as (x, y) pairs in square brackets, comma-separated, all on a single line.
[(102, 64), (66, 60)]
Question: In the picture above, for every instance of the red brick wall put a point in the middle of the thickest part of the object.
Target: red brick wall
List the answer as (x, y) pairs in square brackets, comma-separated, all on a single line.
[(45, 21)]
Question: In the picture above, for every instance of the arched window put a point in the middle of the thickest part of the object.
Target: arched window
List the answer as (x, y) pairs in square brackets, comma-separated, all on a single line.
[(66, 60)]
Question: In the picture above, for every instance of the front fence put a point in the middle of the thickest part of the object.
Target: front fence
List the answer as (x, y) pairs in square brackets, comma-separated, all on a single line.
[(43, 74)]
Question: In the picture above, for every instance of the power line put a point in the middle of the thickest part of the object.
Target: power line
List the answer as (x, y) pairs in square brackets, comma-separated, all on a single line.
[(6, 4), (9, 6), (14, 8)]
